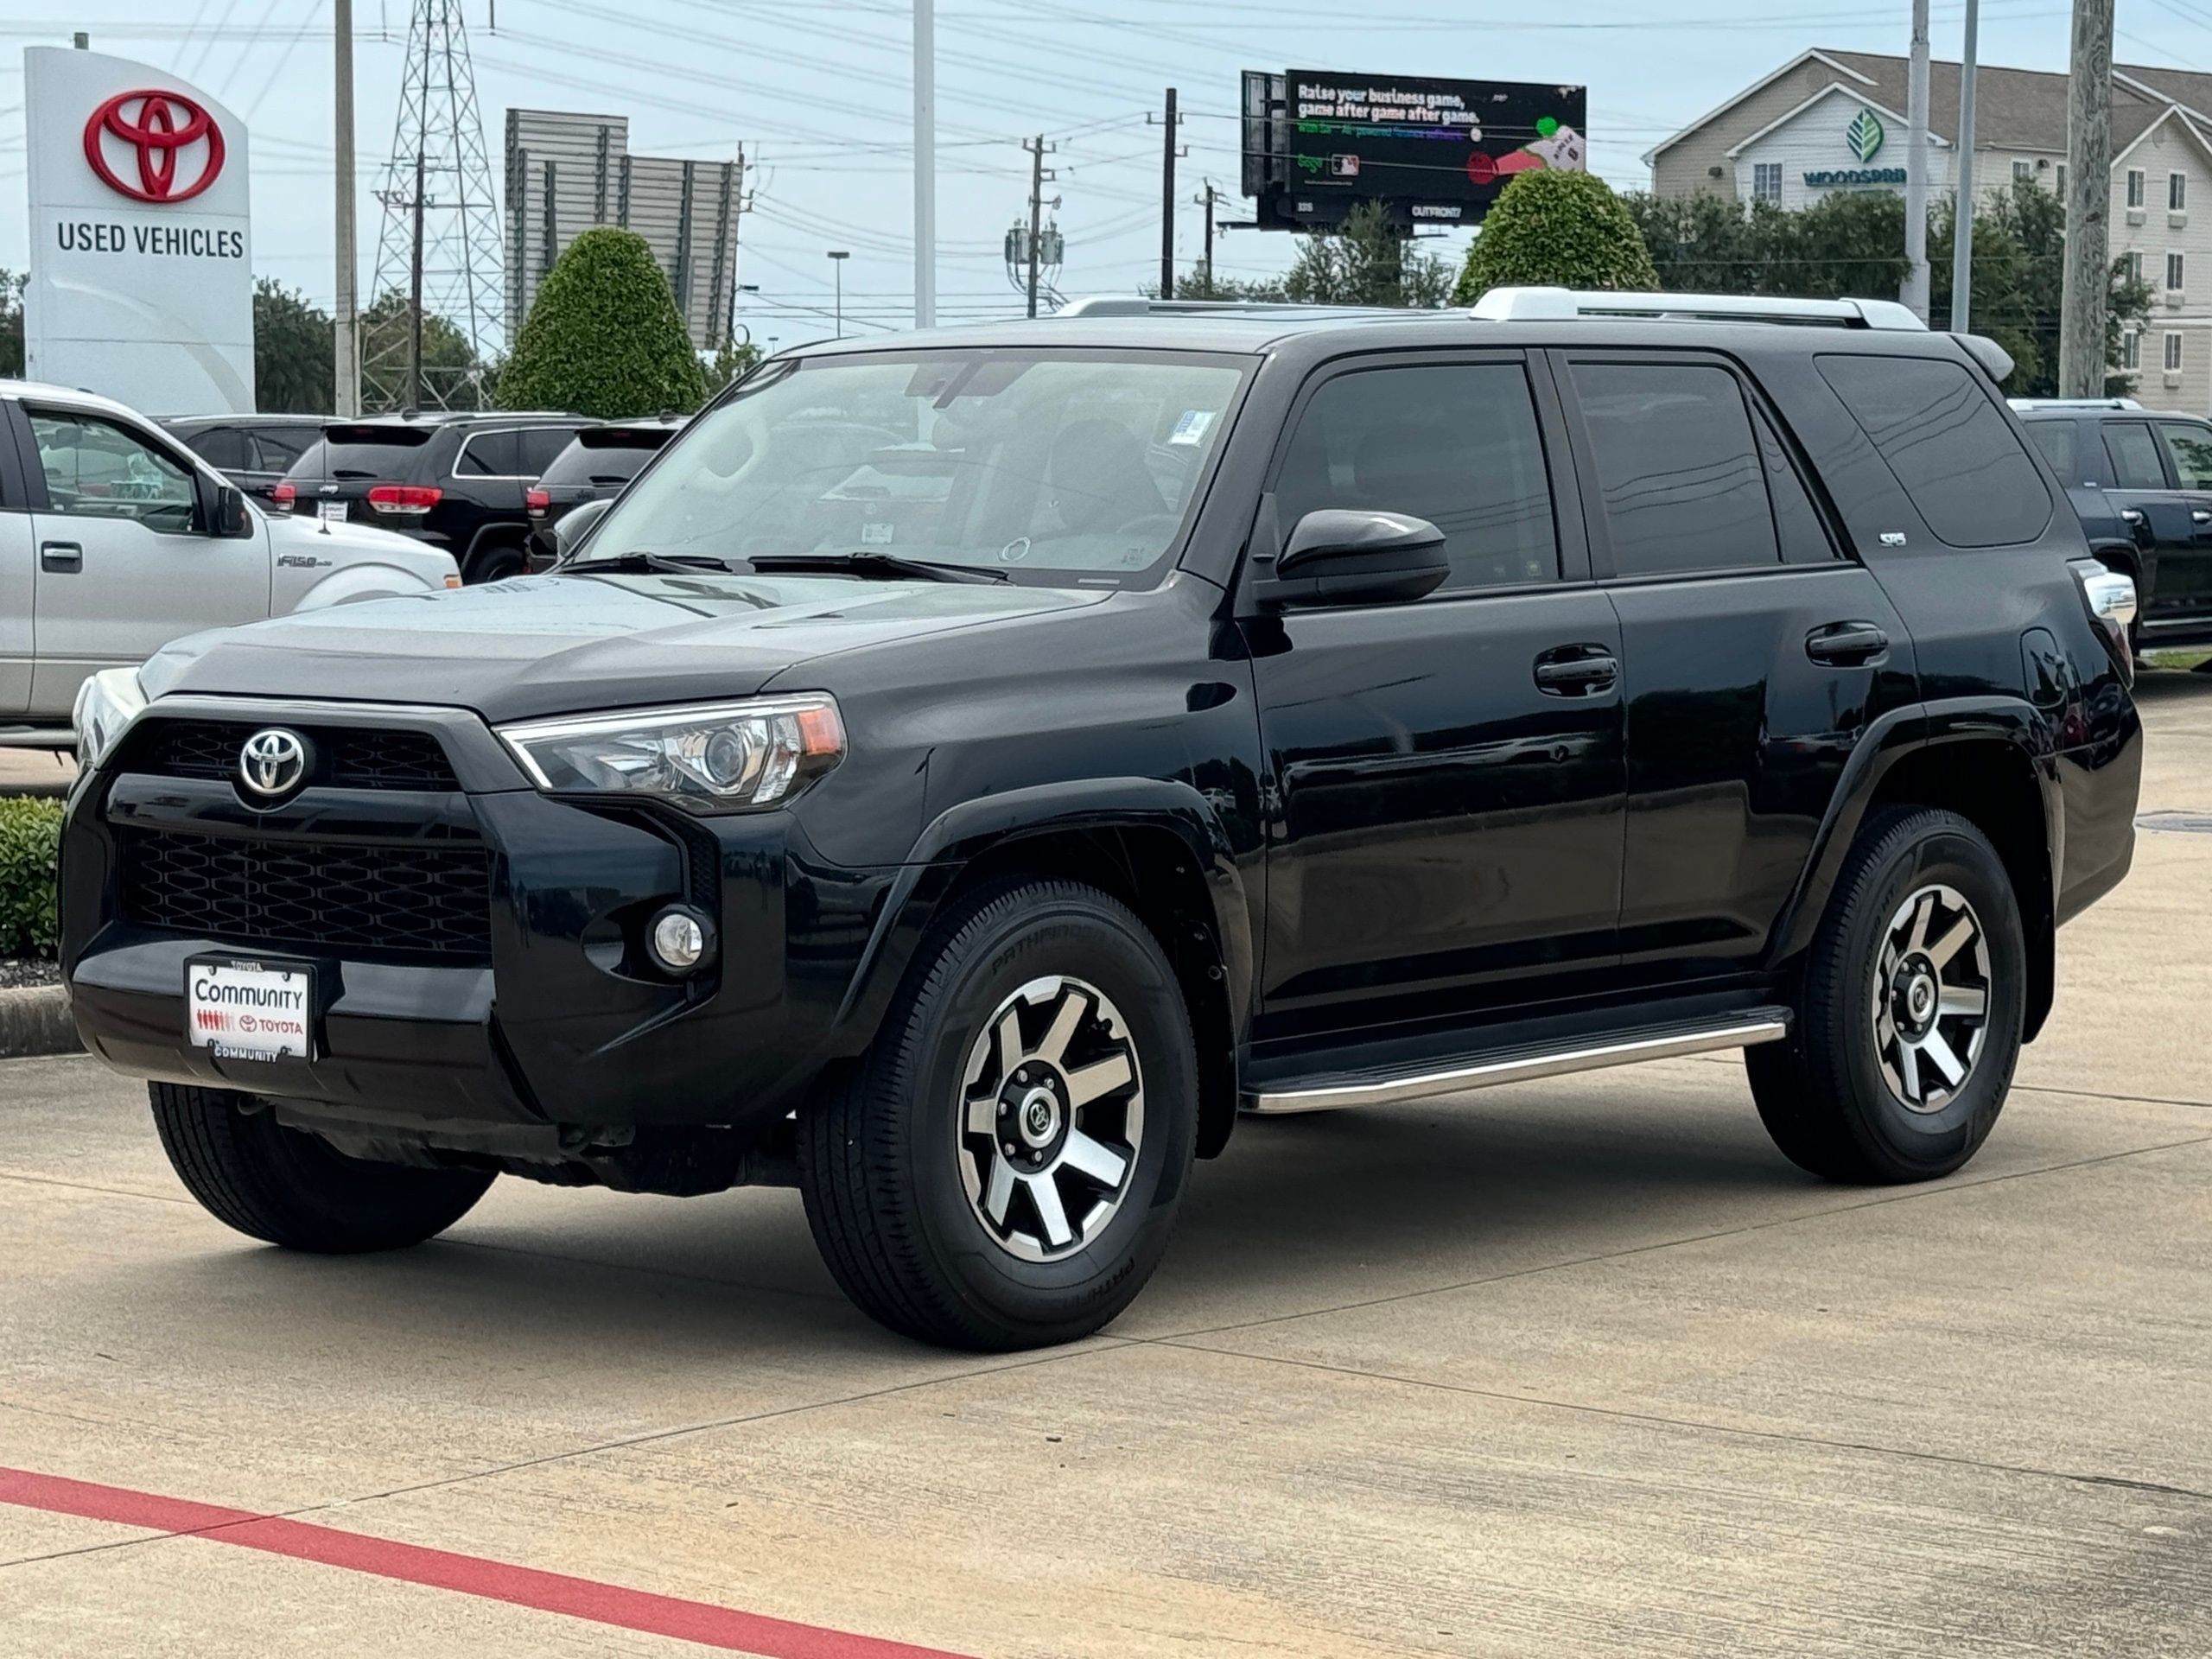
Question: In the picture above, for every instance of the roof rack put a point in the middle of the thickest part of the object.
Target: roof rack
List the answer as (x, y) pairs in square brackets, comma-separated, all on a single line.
[(1137, 305), (2073, 402), (1559, 304)]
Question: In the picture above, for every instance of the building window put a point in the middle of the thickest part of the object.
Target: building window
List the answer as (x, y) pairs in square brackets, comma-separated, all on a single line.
[(1766, 181), (2173, 351), (2061, 181), (2176, 192), (2135, 186), (2173, 273), (2131, 263), (2024, 172), (2130, 349)]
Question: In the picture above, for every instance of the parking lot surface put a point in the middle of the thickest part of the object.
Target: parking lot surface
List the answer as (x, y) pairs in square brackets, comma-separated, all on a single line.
[(1582, 1367)]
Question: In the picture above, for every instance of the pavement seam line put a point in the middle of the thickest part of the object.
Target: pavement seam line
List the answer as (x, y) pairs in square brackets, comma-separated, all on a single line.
[(1661, 1421), (108, 1191), (1925, 1190)]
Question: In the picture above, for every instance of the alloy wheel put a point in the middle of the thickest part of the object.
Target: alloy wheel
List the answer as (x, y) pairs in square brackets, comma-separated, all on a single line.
[(1930, 1001)]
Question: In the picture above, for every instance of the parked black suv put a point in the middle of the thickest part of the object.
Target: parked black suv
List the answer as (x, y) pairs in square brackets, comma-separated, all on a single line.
[(598, 462), (2153, 472), (454, 480), (253, 451), (964, 772)]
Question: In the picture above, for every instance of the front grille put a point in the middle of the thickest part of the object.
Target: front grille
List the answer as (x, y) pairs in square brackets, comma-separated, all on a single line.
[(394, 899), (347, 757)]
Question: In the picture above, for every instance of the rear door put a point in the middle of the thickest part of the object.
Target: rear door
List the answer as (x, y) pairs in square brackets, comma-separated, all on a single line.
[(124, 562), (2135, 472), (18, 567), (1753, 654), (2184, 584), (1450, 771)]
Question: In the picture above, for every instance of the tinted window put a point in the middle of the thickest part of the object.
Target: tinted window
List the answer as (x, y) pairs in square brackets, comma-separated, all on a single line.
[(606, 455), (2055, 440), (279, 447), (494, 454), (96, 469), (1797, 522), (539, 445), (1948, 445), (365, 451), (2134, 456), (1456, 444), (2189, 446), (1678, 469), (221, 446)]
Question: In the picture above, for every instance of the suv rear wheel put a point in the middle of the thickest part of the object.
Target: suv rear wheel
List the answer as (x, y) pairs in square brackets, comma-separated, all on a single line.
[(1910, 1011), (295, 1189), (1003, 1169)]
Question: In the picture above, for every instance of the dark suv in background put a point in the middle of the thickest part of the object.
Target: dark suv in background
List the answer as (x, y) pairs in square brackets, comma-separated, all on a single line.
[(962, 772), (2151, 473), (457, 481), (253, 451), (598, 462)]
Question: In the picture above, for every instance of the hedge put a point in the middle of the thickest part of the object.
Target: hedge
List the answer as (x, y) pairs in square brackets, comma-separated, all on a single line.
[(603, 337), (30, 836), (1550, 228)]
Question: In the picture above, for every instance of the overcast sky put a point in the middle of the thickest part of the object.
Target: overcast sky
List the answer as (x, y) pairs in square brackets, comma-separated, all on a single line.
[(816, 91)]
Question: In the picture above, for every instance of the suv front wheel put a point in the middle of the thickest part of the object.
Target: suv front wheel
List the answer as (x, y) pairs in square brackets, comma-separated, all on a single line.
[(1004, 1167), (1910, 1009)]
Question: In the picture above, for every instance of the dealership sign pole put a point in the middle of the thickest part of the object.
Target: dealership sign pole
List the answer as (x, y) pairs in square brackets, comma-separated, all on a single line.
[(141, 270)]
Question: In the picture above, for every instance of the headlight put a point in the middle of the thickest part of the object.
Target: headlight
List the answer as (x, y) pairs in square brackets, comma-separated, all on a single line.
[(106, 703), (712, 758)]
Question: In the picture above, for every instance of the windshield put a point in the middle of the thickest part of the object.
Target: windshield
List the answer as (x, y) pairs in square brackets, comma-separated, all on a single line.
[(1062, 466)]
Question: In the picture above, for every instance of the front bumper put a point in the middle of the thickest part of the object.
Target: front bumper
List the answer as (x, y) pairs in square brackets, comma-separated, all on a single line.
[(548, 1013)]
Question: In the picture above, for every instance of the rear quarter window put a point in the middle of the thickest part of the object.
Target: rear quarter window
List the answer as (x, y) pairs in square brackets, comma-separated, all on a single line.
[(2055, 440), (1948, 445)]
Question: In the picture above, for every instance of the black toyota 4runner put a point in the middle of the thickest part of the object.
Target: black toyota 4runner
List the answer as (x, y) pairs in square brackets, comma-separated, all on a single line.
[(964, 772)]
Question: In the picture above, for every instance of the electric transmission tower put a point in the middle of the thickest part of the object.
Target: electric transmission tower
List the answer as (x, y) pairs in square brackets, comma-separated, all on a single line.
[(438, 282)]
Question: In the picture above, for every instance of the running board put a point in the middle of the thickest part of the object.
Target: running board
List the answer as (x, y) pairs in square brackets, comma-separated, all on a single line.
[(1753, 1025)]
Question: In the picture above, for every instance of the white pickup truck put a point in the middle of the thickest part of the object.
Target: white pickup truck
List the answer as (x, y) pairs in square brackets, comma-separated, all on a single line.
[(115, 539)]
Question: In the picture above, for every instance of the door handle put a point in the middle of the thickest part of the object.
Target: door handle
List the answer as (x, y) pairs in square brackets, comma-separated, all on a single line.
[(2199, 516), (61, 555), (1577, 670), (1846, 645)]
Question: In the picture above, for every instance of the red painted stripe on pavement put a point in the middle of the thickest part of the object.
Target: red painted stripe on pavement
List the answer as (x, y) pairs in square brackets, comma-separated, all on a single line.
[(470, 1575)]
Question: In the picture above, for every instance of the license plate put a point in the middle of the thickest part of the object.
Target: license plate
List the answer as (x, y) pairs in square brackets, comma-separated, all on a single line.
[(247, 1011), (331, 512)]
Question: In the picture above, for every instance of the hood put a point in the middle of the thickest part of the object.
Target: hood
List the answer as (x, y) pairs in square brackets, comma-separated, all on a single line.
[(535, 645)]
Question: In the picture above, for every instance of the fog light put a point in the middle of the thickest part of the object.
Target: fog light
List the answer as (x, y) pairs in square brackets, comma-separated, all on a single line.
[(680, 938)]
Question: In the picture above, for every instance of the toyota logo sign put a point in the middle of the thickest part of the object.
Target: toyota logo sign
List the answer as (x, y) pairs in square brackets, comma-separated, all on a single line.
[(273, 763), (173, 145)]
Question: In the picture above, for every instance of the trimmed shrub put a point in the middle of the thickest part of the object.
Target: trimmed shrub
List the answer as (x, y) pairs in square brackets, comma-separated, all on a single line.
[(603, 337), (30, 836), (1564, 230)]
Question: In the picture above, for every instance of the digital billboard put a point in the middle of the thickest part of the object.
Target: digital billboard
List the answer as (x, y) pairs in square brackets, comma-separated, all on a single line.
[(1432, 151)]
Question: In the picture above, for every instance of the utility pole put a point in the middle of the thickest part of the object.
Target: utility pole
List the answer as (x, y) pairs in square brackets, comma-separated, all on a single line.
[(1206, 199), (837, 258), (925, 163), (415, 258), (1963, 209), (2086, 280), (1168, 203), (1037, 175), (1915, 292), (346, 378)]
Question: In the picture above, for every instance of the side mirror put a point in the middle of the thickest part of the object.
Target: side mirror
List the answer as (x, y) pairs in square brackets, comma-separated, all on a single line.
[(568, 532), (1356, 556), (230, 516)]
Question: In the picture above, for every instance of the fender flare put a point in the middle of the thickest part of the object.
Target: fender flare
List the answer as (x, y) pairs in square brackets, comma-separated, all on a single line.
[(957, 836), (368, 579), (1903, 731)]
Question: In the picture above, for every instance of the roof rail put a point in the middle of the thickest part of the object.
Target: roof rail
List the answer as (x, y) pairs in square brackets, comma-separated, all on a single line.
[(1137, 305), (2073, 402), (1558, 304)]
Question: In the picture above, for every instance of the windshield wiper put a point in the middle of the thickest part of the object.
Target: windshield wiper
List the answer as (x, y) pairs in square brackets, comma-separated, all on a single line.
[(680, 564), (869, 563)]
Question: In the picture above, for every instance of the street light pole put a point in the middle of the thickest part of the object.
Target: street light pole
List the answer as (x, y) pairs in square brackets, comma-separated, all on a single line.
[(925, 163), (837, 258)]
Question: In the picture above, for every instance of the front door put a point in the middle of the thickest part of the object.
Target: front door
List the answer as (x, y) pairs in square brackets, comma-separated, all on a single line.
[(124, 563), (2134, 462), (1754, 655), (1449, 772)]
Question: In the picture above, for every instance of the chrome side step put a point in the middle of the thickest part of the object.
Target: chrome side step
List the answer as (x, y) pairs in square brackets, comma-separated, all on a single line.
[(1622, 1048)]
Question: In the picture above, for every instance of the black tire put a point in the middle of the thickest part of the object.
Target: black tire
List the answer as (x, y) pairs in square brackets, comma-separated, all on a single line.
[(290, 1188), (496, 563), (1823, 1094), (880, 1148)]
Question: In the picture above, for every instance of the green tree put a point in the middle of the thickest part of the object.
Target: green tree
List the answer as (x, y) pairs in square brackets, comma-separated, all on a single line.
[(603, 337), (452, 376), (1367, 261), (731, 361), (293, 351), (1194, 284), (1552, 227), (11, 322)]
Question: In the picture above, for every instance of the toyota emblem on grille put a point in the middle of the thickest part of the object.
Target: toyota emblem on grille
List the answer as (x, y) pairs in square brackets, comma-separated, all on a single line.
[(273, 763)]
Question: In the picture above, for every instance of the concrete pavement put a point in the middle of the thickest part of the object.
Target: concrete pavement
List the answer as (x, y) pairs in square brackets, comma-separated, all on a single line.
[(1579, 1368)]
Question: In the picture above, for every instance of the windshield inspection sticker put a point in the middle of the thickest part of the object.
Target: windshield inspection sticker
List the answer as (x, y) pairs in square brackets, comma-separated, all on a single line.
[(1192, 426), (874, 534)]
